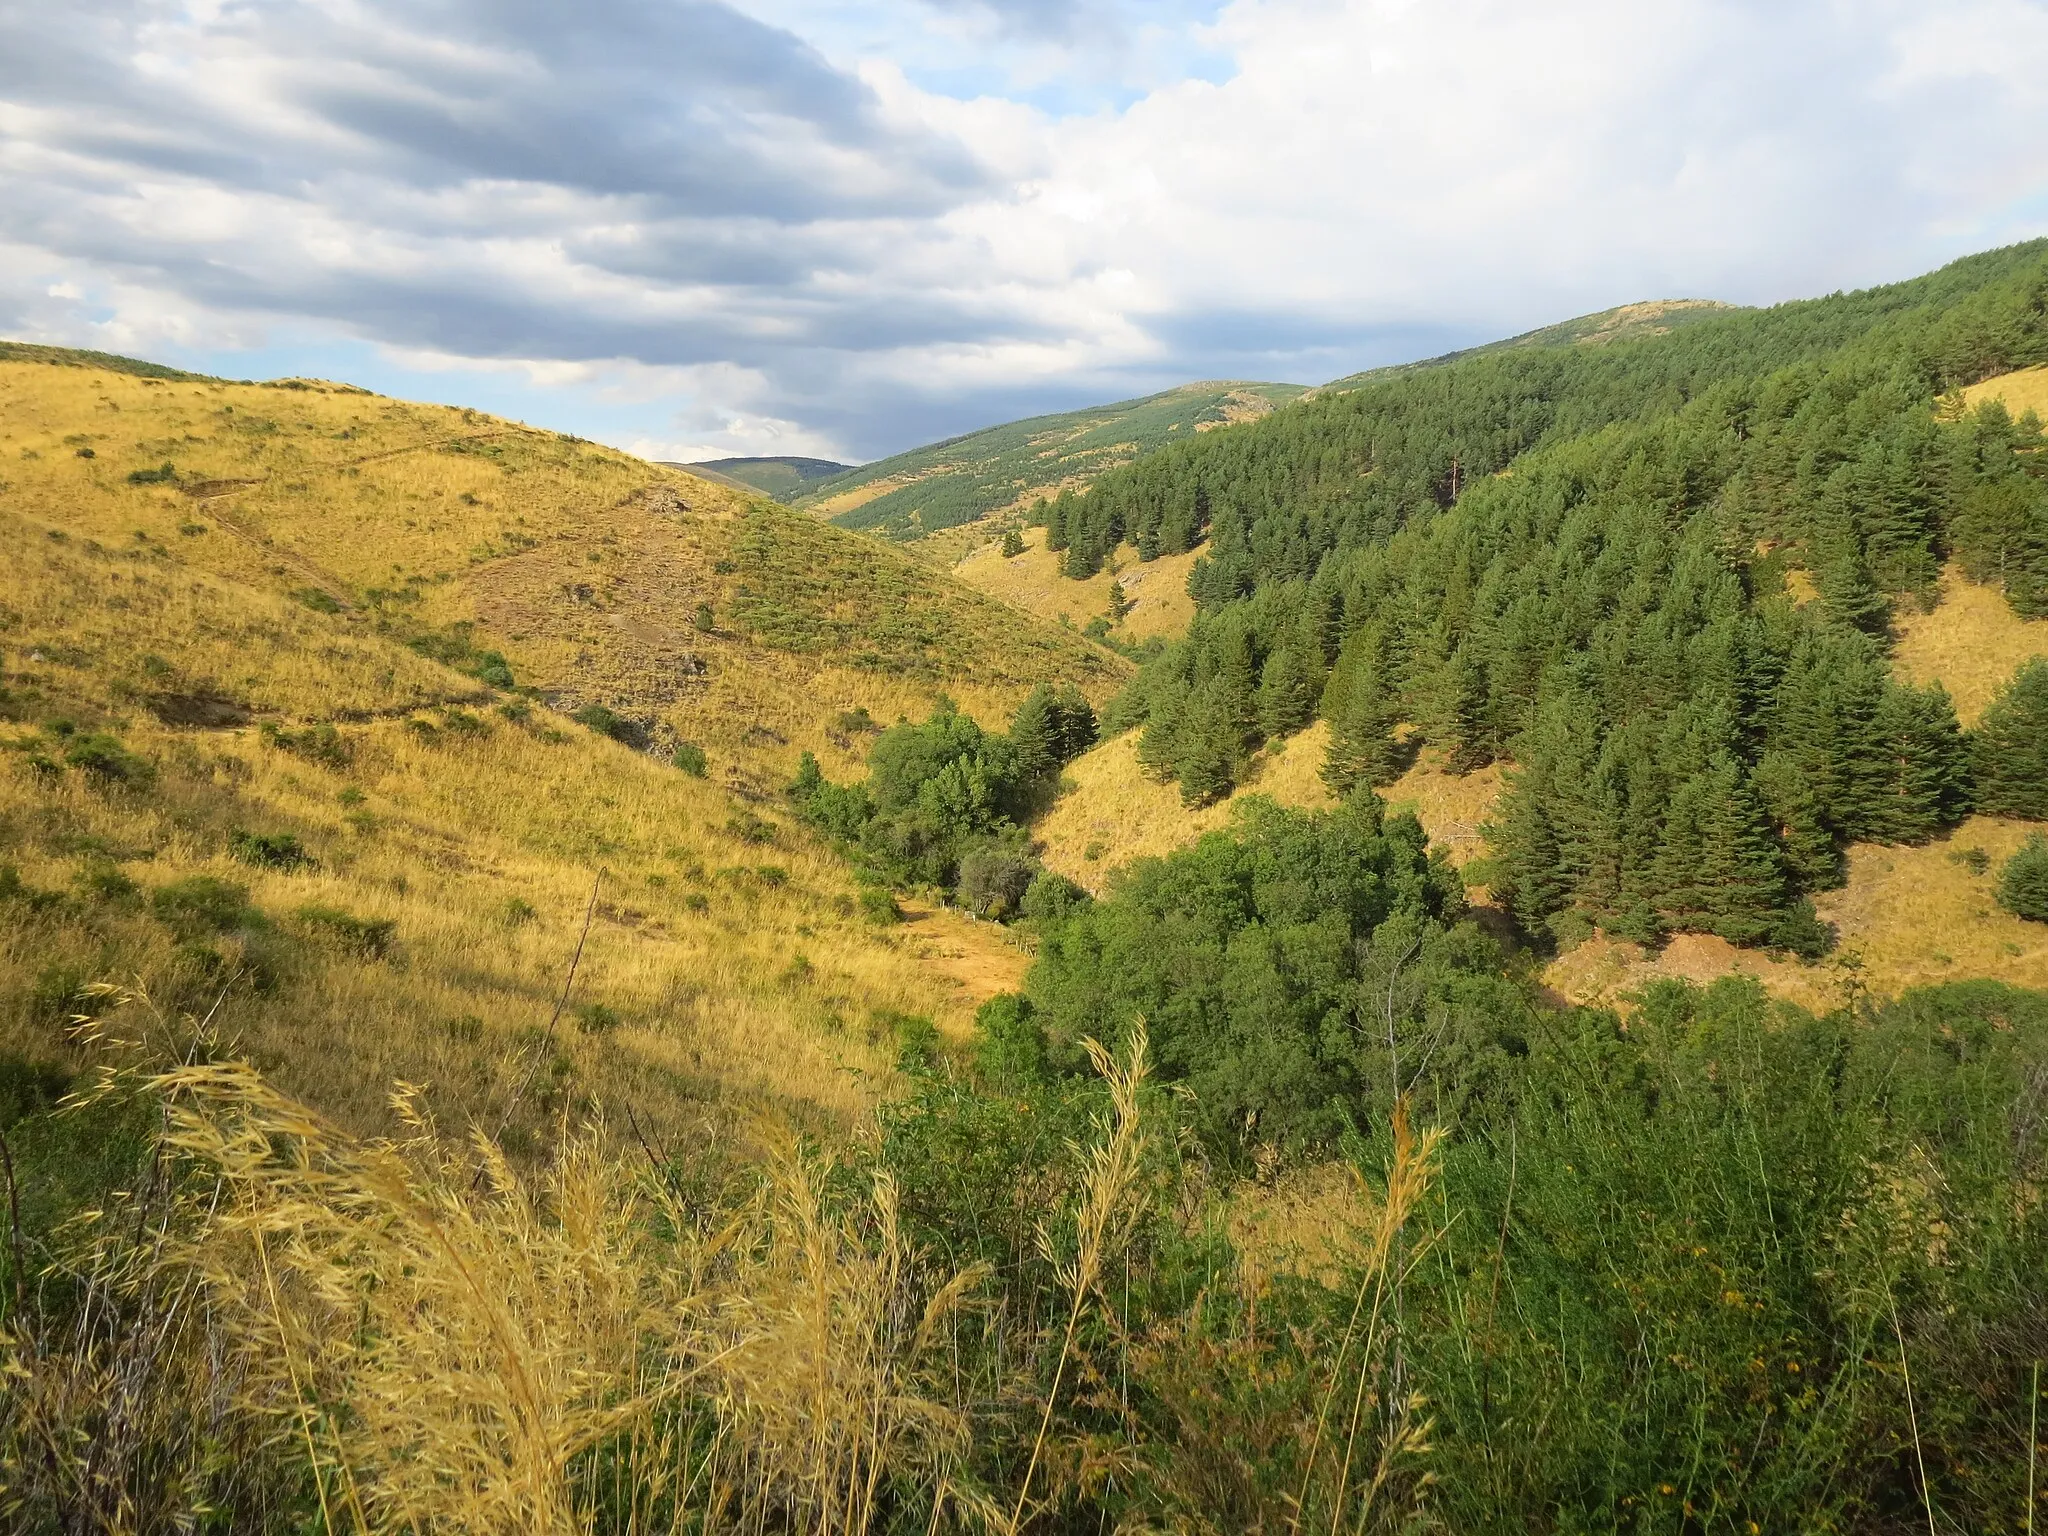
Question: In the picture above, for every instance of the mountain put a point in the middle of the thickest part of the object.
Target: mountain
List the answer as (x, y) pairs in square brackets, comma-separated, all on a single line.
[(546, 992), (963, 479), (1625, 322), (781, 477), (402, 680)]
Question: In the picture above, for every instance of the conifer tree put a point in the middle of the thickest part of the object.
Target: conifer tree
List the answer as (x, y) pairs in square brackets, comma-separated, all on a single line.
[(1075, 722), (1719, 865), (1930, 780), (2011, 747), (1362, 750), (1035, 734), (1207, 748), (1013, 542), (2023, 883), (1287, 691), (1471, 744)]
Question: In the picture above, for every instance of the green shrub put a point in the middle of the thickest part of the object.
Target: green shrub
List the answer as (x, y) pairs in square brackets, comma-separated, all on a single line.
[(878, 906), (367, 937), (275, 850), (204, 904), (163, 474), (607, 722), (690, 758), (103, 883), (596, 1019), (2023, 883), (17, 893), (319, 599), (103, 759), (321, 744)]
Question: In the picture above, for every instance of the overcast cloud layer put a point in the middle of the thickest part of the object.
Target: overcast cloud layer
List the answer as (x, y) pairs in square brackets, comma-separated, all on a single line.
[(847, 226)]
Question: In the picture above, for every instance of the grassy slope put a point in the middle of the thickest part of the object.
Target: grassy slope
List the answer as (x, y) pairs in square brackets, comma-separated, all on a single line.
[(309, 531), (1157, 590), (1625, 322), (783, 478), (966, 478)]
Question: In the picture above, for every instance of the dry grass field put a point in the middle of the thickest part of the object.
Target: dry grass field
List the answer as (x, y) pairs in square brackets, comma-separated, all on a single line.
[(1971, 643), (2023, 390), (310, 552), (1157, 590), (1121, 813)]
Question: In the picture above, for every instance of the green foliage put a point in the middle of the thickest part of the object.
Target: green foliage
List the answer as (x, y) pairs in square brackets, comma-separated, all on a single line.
[(1574, 558), (1013, 542), (199, 905), (690, 758), (321, 744), (105, 761), (162, 474), (455, 647), (1295, 971), (2023, 883), (608, 722), (944, 800), (369, 938), (319, 599), (2011, 747), (275, 850)]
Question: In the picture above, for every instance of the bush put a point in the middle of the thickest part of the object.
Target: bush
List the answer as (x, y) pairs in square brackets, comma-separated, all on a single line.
[(319, 599), (607, 722), (879, 907), (103, 883), (276, 850), (204, 904), (321, 744), (367, 937), (596, 1019), (994, 877), (2023, 883), (104, 760), (163, 474), (690, 758)]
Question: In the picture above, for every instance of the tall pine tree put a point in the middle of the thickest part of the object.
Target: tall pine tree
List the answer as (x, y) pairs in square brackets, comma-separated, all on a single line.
[(2011, 747)]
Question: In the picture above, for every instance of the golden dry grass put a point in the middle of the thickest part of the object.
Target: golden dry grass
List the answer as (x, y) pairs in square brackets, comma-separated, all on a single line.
[(307, 533), (1971, 643), (2023, 390), (1156, 589), (1116, 812), (1907, 917), (1122, 813)]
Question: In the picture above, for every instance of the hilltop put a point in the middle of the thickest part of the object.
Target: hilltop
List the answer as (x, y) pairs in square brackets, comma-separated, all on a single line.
[(406, 678), (783, 477), (964, 479)]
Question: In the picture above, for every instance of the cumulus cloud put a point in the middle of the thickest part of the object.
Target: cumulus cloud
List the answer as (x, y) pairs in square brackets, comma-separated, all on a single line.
[(856, 224)]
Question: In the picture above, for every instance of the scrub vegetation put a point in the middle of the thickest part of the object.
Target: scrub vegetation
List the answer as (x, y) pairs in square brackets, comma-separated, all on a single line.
[(541, 994)]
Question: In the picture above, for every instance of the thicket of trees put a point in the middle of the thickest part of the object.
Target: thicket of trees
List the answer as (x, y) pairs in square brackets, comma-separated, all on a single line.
[(1657, 575), (944, 801)]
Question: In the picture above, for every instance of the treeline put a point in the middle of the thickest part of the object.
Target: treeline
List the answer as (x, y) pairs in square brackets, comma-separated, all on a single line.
[(944, 802), (1672, 614)]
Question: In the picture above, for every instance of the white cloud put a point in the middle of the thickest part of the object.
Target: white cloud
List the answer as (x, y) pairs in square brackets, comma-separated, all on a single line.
[(898, 237)]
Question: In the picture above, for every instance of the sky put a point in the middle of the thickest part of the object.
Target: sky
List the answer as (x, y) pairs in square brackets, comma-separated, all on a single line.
[(694, 228)]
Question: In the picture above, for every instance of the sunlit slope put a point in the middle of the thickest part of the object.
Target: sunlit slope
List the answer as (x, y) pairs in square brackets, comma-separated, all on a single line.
[(1155, 591), (958, 481), (1625, 322), (319, 557), (784, 477)]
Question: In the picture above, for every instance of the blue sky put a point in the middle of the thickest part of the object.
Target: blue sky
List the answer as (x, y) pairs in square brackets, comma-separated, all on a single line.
[(844, 227)]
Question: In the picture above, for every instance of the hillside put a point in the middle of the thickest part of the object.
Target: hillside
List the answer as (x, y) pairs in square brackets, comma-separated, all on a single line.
[(298, 611), (1625, 322), (483, 1049), (922, 492), (784, 478)]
